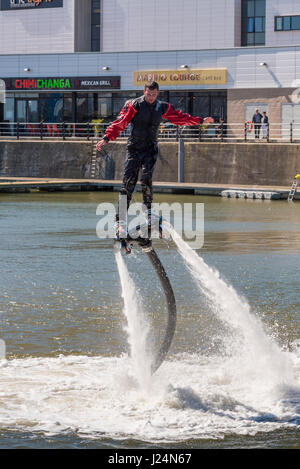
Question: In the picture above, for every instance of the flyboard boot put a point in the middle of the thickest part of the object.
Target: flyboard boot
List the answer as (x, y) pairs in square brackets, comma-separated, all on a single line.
[(122, 237), (141, 235), (154, 224)]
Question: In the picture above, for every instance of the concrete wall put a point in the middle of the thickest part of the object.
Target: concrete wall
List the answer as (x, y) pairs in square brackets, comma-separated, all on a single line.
[(216, 163), (222, 163), (253, 164), (165, 168), (45, 159)]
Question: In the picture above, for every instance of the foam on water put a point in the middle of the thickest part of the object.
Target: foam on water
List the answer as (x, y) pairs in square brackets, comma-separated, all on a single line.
[(190, 397)]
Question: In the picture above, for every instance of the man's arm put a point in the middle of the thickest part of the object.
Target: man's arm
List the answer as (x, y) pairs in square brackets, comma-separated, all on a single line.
[(126, 115), (180, 118)]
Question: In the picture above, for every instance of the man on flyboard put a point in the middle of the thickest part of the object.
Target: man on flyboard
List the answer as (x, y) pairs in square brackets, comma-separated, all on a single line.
[(145, 115)]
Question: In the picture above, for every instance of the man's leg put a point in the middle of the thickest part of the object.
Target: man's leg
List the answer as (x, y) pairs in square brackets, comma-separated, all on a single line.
[(149, 161), (131, 172)]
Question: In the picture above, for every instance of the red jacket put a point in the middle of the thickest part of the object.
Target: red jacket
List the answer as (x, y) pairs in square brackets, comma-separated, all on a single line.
[(145, 120)]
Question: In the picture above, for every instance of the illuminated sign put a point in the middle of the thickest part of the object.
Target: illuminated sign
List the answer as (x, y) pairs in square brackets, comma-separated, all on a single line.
[(90, 83), (204, 76), (29, 4), (63, 83), (42, 84)]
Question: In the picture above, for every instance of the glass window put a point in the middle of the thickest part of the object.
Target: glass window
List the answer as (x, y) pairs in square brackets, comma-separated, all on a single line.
[(295, 22), (51, 107), (253, 22), (250, 25), (21, 110), (119, 99), (286, 23), (95, 39), (96, 18), (84, 107), (259, 38), (259, 24), (96, 32), (95, 25), (179, 101), (9, 110), (95, 45), (104, 107), (201, 106), (32, 110), (260, 8), (68, 115), (250, 8), (209, 104), (250, 39), (278, 23), (118, 104), (218, 105), (163, 96)]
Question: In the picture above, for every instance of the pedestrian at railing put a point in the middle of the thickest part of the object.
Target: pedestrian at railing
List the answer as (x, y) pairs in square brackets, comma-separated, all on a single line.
[(265, 125), (256, 119)]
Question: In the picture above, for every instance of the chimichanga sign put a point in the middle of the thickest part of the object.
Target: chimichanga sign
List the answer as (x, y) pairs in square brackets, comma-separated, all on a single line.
[(29, 4), (63, 83), (203, 76)]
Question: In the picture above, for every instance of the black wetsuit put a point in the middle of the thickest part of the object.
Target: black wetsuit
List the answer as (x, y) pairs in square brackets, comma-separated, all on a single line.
[(142, 146)]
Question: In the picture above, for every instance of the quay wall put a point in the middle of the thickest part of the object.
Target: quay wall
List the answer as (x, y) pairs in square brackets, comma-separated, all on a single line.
[(214, 163)]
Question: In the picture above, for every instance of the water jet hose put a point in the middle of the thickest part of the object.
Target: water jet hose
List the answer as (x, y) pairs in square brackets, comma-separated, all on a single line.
[(147, 248), (171, 304)]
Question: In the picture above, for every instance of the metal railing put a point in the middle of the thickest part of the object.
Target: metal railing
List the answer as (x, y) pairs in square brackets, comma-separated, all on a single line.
[(227, 133)]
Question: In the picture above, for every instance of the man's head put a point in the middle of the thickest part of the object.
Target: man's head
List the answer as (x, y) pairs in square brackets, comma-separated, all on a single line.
[(151, 92), (257, 111)]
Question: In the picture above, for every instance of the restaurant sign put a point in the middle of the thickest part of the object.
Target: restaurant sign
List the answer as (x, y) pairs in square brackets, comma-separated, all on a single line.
[(63, 83), (29, 4), (204, 76)]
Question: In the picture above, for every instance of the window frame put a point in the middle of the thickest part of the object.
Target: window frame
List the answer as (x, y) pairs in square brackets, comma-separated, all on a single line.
[(250, 36), (96, 19), (290, 21)]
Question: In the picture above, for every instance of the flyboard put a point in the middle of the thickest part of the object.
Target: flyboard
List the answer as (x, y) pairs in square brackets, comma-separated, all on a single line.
[(141, 235)]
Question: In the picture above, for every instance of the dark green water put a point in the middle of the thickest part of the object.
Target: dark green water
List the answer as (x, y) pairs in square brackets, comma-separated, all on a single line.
[(66, 381)]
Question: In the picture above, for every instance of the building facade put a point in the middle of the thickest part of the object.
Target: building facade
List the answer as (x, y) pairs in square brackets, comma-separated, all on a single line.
[(79, 60)]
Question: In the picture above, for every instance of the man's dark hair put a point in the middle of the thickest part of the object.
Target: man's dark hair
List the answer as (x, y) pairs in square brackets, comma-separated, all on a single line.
[(152, 85)]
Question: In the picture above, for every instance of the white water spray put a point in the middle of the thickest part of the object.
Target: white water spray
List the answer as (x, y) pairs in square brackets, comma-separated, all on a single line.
[(259, 357), (195, 397), (137, 326)]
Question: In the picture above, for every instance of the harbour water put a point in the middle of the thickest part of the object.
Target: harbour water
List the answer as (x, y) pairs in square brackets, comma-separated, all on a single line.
[(232, 377)]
